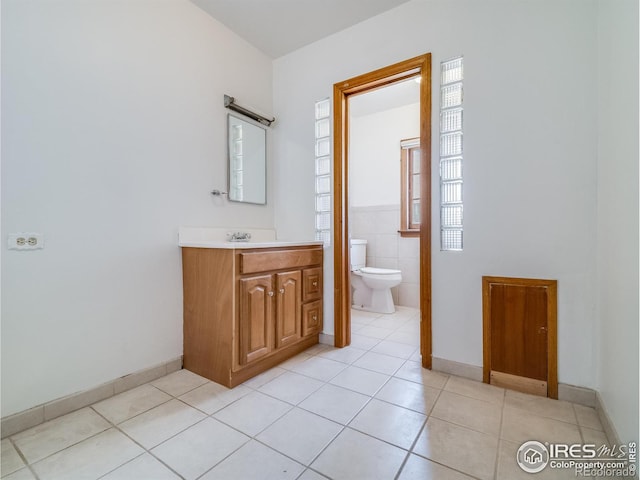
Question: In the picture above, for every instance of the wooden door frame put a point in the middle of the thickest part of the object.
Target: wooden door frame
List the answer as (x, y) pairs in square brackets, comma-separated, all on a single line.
[(552, 326), (413, 67)]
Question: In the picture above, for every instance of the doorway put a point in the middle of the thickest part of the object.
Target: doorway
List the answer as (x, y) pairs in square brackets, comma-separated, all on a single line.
[(415, 67)]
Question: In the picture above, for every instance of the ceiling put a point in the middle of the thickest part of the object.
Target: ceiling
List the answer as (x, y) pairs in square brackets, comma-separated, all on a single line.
[(278, 27), (391, 96)]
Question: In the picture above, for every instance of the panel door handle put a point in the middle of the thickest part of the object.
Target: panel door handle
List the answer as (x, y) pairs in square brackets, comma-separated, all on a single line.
[(542, 330), (282, 290), (271, 294), (315, 284)]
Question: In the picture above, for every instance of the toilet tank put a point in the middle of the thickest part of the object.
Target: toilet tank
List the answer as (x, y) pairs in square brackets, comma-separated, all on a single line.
[(358, 253)]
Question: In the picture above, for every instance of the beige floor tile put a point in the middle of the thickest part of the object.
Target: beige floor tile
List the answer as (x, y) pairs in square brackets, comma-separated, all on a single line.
[(335, 403), (259, 380), (414, 372), (179, 383), (300, 435), (11, 461), (52, 436), (460, 448), (346, 355), (418, 468), (353, 455), (468, 412), (293, 361), (588, 417), (131, 403), (255, 461), (375, 332), (405, 337), (291, 387), (390, 322), (416, 357), (363, 317), (319, 368), (545, 407), (473, 389), (22, 474), (195, 450), (212, 397), (404, 393), (144, 467), (317, 349), (253, 413), (519, 426), (161, 423), (411, 326), (394, 349), (360, 380), (595, 437), (363, 342), (379, 362), (311, 475), (396, 425), (90, 458)]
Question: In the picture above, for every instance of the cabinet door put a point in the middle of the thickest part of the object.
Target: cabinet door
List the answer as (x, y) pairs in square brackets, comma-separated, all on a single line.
[(312, 318), (289, 294), (255, 322), (312, 280)]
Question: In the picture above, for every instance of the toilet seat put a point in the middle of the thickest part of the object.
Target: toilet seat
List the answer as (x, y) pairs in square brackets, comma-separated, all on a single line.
[(379, 271)]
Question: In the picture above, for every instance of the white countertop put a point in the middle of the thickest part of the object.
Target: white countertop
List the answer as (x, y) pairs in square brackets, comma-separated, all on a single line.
[(214, 237), (241, 245)]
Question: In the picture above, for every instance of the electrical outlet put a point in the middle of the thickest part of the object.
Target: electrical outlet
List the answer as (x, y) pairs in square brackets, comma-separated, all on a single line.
[(25, 241)]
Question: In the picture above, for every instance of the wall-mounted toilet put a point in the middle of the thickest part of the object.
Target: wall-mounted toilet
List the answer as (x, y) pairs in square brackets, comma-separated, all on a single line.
[(371, 286)]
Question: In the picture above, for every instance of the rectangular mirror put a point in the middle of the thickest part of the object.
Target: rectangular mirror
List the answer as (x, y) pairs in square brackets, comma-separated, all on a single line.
[(247, 161)]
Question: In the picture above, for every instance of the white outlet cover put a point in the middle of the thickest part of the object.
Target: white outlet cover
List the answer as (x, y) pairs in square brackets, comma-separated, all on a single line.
[(13, 244)]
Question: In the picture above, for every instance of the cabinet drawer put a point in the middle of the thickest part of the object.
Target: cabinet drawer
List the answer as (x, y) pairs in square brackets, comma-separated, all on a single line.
[(254, 262), (312, 284), (312, 318)]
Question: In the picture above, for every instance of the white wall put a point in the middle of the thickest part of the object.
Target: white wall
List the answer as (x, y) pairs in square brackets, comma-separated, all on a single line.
[(618, 213), (113, 135), (374, 165), (530, 153)]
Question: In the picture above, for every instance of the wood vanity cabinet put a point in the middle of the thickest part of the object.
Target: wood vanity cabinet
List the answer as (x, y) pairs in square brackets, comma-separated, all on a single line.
[(246, 310)]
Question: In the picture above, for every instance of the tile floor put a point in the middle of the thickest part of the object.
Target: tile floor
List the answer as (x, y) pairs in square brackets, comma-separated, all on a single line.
[(368, 411)]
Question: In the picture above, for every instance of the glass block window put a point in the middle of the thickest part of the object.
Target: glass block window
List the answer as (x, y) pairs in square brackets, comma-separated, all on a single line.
[(451, 151), (323, 171), (237, 163)]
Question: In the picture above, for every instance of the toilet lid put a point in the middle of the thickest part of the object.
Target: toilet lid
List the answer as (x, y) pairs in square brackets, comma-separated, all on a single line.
[(379, 271)]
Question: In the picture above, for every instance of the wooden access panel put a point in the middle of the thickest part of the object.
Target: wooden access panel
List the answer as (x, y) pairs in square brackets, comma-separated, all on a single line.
[(520, 335)]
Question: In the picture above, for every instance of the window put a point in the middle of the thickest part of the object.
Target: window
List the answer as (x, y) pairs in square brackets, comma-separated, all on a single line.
[(451, 208), (323, 171), (410, 187)]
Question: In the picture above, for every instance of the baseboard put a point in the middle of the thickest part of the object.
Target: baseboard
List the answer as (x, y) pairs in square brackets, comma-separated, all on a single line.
[(327, 339), (12, 424), (607, 424), (472, 372), (580, 395)]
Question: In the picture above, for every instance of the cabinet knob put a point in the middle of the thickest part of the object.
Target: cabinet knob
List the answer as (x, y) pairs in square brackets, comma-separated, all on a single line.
[(315, 317), (315, 284), (271, 294), (282, 290)]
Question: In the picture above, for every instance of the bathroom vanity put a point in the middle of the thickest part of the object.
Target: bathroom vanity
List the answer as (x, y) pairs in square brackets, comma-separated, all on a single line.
[(249, 306)]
